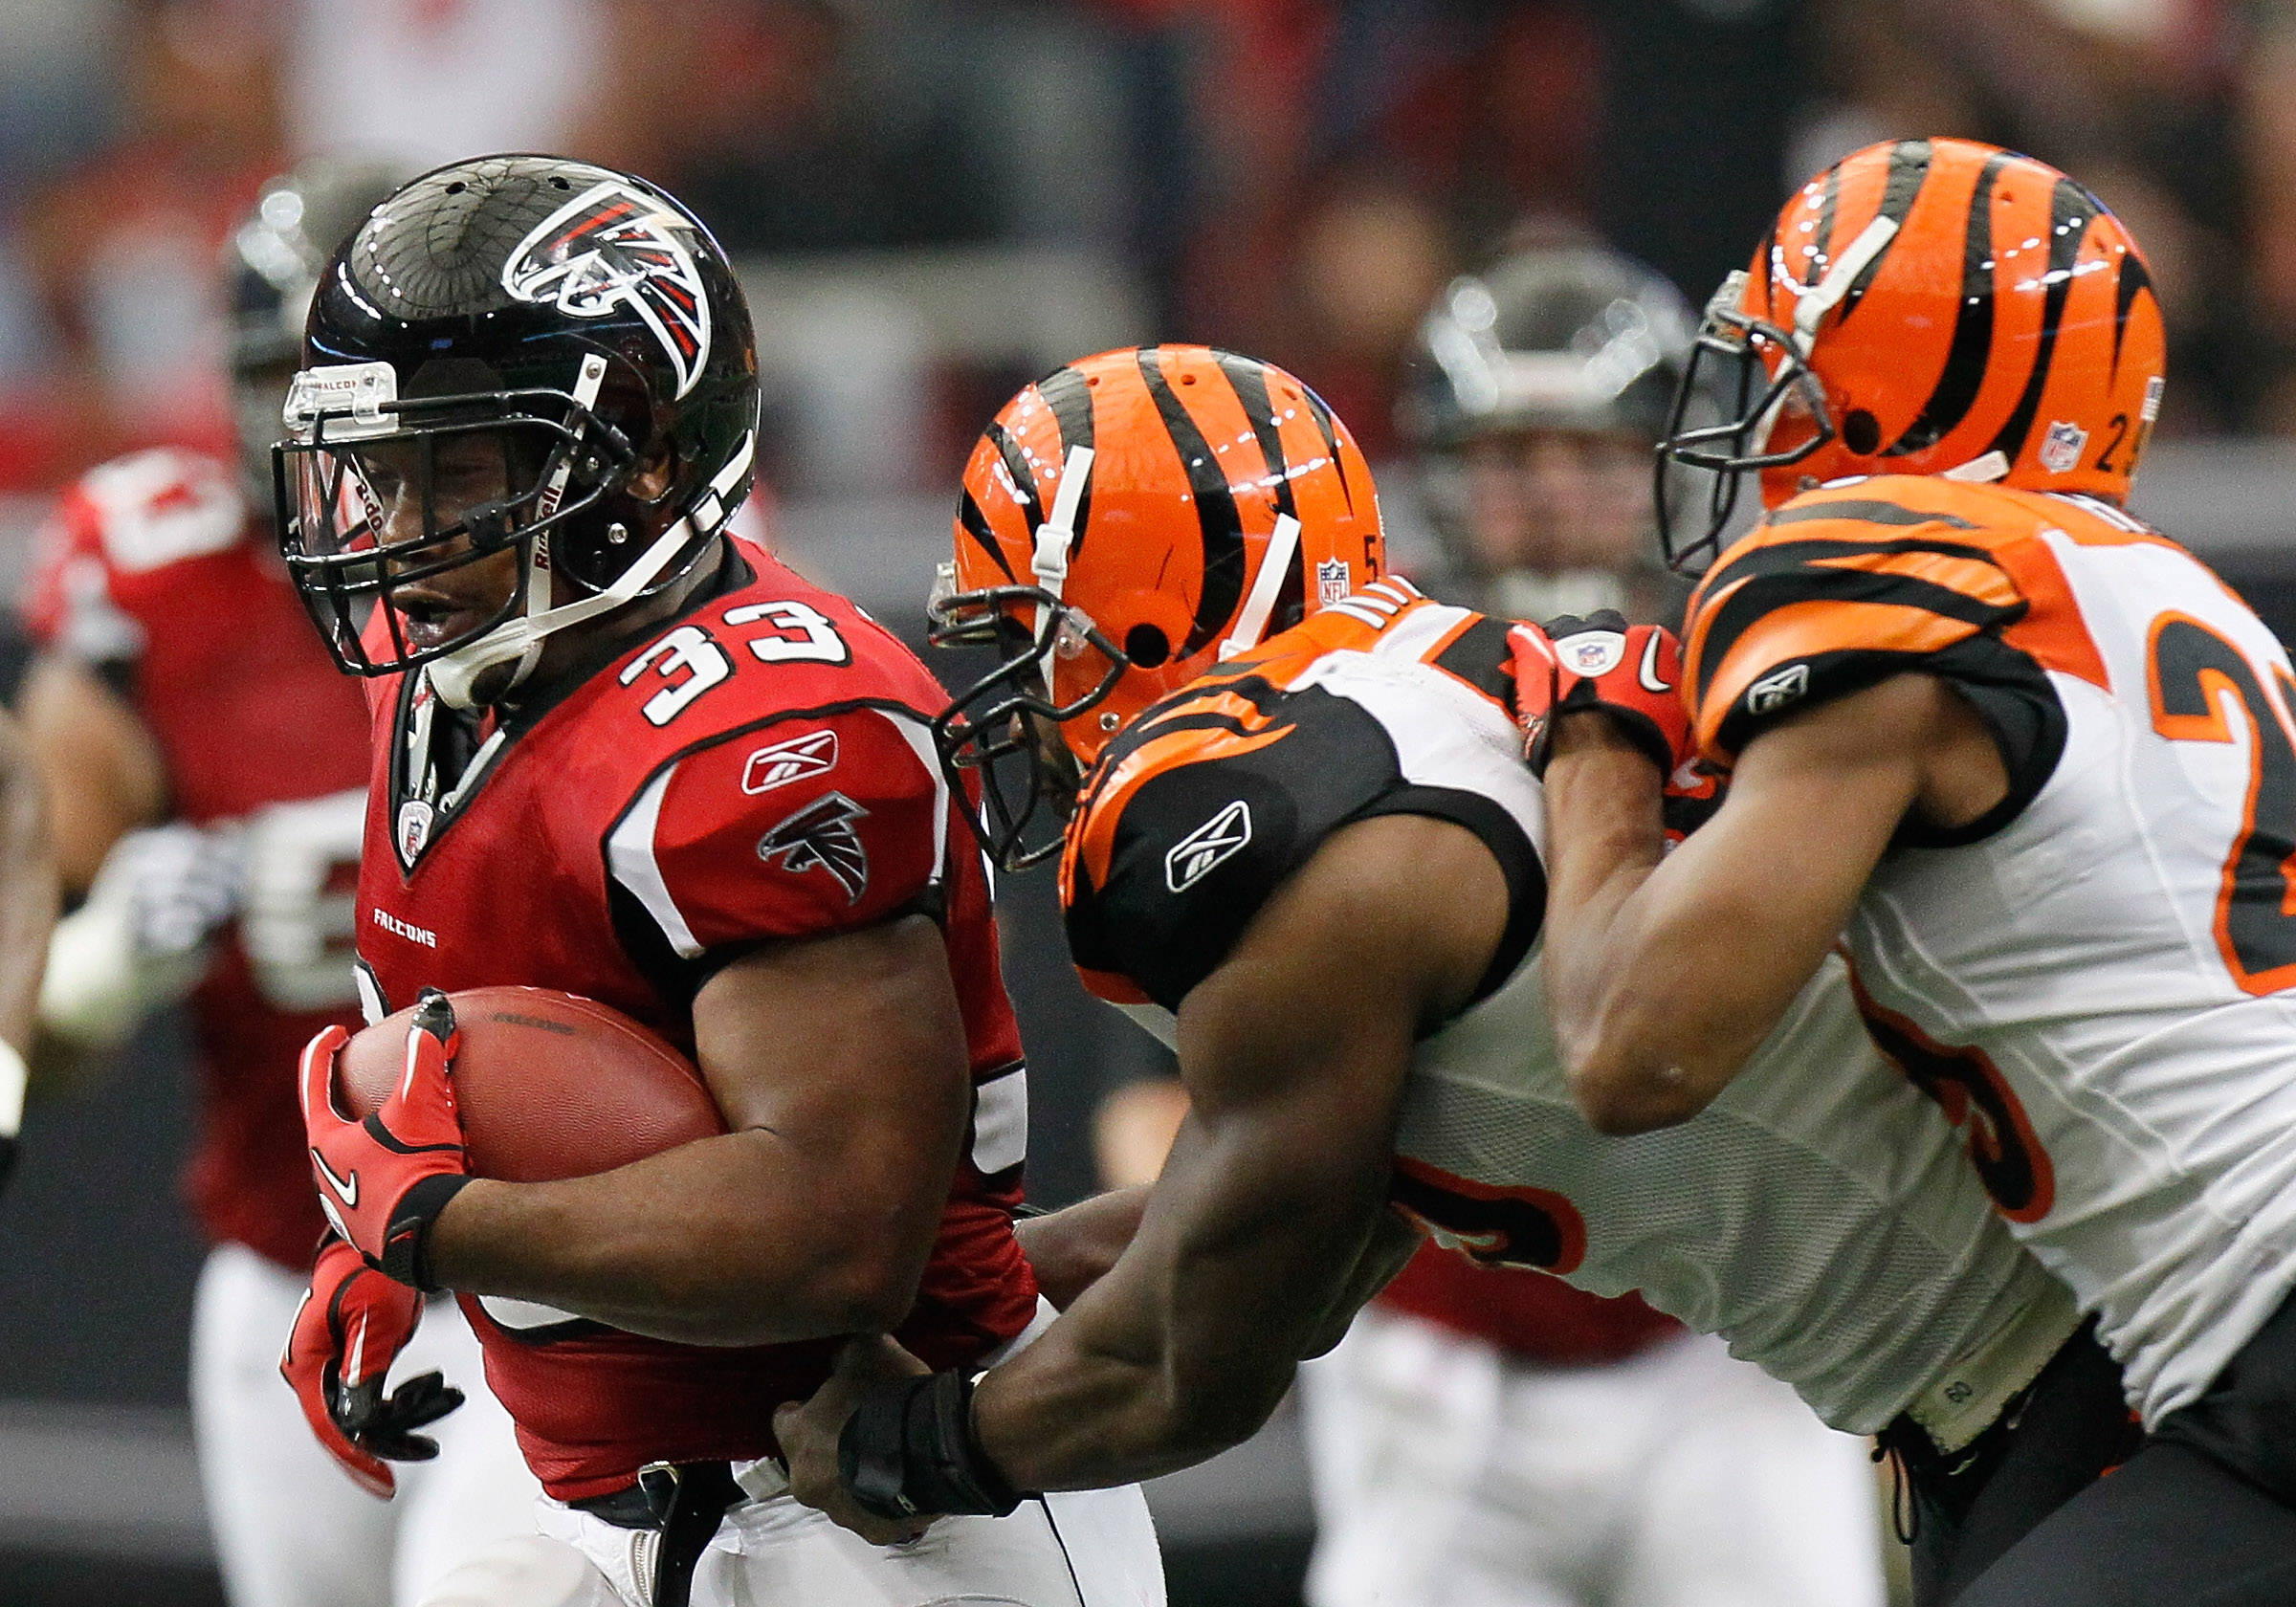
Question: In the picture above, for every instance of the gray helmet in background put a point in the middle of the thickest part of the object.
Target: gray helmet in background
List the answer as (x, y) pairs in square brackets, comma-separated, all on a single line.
[(1557, 338), (1570, 339), (270, 267)]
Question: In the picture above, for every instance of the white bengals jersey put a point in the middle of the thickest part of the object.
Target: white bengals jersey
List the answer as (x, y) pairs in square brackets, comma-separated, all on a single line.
[(2095, 973), (1820, 1215)]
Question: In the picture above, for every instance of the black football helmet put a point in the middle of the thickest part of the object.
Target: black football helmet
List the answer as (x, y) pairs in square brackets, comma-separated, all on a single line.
[(577, 318), (270, 266), (1570, 339)]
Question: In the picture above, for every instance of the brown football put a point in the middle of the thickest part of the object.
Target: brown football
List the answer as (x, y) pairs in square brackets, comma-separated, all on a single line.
[(550, 1085)]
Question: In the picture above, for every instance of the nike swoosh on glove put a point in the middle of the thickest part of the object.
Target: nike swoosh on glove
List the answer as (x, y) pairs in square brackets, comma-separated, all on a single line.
[(351, 1326), (1632, 672), (383, 1180)]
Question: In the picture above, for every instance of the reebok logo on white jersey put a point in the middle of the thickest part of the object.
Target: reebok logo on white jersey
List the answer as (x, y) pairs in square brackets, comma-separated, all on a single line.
[(1217, 840), (1777, 690), (814, 753)]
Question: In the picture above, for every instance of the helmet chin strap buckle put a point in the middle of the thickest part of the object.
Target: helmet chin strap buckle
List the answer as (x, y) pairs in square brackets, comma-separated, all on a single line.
[(1050, 562), (454, 676)]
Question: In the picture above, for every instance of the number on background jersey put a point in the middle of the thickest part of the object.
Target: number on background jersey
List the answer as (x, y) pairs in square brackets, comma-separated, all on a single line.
[(1971, 1090), (2189, 668), (816, 639), (686, 652), (1532, 1228)]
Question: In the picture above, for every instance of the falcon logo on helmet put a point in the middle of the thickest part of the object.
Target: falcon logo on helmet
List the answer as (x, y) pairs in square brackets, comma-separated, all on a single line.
[(821, 835), (611, 246)]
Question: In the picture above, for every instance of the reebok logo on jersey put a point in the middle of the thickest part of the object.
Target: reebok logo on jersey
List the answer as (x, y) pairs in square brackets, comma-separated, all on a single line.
[(1213, 843), (821, 837), (1777, 690), (1594, 653), (814, 753)]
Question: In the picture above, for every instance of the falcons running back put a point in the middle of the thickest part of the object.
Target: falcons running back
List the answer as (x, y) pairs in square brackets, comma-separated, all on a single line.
[(2039, 763), (202, 751), (622, 753), (1315, 866)]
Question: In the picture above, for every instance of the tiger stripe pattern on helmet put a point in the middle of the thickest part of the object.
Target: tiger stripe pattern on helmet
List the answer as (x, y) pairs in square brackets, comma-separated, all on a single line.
[(1843, 587), (2007, 311), (1197, 454)]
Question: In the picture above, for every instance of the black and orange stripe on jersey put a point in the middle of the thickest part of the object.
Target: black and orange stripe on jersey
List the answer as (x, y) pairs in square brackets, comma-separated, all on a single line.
[(1248, 769), (1842, 588)]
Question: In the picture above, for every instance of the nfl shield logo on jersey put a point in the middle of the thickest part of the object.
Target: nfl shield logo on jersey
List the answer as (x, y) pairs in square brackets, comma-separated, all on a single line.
[(413, 827), (2061, 447), (1213, 843), (1333, 582)]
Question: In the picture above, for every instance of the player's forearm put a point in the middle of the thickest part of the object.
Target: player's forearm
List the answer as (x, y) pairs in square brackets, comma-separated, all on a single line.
[(1073, 1249), (28, 887), (732, 1240), (1633, 1060)]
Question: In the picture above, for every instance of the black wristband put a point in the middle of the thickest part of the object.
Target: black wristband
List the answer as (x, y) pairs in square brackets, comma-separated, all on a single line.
[(408, 1238), (908, 1451)]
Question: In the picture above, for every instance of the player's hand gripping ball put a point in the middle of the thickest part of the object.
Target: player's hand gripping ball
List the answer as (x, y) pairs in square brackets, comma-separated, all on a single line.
[(1632, 672)]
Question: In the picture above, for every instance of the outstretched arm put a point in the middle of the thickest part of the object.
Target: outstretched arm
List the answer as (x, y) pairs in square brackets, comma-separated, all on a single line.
[(1664, 975)]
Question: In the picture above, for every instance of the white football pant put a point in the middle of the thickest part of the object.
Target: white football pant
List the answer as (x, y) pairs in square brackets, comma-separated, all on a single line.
[(1071, 1548), (291, 1527), (1449, 1475)]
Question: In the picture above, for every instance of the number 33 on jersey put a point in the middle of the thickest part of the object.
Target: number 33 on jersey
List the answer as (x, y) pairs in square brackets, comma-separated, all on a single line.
[(768, 774)]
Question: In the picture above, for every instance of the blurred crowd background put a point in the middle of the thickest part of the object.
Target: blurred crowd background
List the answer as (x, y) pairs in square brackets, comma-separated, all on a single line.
[(935, 201), (938, 193)]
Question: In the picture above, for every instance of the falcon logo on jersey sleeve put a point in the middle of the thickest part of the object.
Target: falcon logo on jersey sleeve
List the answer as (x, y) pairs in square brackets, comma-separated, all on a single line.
[(608, 248), (814, 753), (1216, 841), (821, 836)]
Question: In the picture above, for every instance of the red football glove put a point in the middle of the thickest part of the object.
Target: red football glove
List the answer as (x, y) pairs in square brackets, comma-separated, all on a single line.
[(1632, 672), (351, 1326), (382, 1181)]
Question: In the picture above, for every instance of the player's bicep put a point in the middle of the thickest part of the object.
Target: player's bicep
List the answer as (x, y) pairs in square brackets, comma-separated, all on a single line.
[(850, 1053), (104, 773), (1294, 1053)]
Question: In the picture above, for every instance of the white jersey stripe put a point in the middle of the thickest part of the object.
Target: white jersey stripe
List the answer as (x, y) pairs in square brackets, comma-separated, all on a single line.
[(630, 854)]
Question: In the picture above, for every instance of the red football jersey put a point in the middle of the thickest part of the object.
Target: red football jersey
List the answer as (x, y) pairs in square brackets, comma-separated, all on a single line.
[(759, 769), (1528, 1313), (153, 565)]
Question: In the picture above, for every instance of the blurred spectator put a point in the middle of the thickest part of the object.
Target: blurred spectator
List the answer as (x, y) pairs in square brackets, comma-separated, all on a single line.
[(121, 249), (776, 139), (423, 82)]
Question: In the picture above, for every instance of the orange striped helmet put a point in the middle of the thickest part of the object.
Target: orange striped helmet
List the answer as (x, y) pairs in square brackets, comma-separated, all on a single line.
[(1929, 307), (1125, 524)]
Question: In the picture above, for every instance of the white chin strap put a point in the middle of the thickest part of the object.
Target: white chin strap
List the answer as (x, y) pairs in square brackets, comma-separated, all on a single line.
[(454, 676)]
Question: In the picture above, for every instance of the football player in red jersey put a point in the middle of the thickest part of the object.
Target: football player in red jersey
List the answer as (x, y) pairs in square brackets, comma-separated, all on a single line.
[(207, 769), (623, 754)]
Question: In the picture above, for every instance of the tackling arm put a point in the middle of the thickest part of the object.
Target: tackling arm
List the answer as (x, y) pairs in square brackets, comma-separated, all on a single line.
[(840, 1066), (1295, 1053), (1664, 977)]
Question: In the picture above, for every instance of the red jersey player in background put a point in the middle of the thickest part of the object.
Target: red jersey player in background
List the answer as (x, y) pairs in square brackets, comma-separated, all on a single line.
[(622, 753), (207, 769)]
